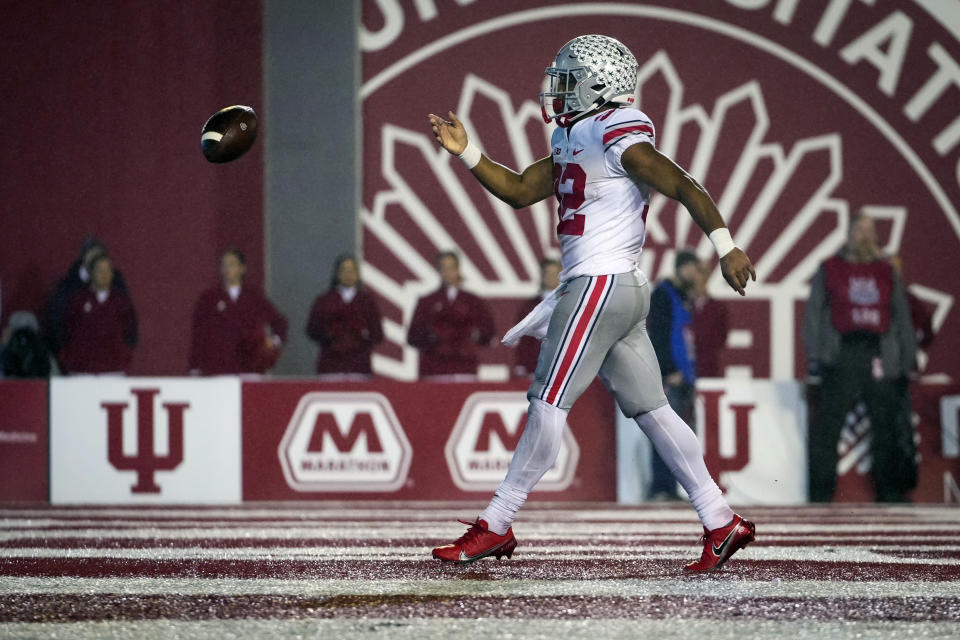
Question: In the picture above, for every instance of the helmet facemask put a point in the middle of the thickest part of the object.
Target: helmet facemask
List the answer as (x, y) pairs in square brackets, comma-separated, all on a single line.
[(589, 72), (572, 92)]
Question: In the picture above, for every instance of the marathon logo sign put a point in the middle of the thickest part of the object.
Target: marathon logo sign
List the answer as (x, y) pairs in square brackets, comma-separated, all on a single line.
[(485, 436), (344, 442)]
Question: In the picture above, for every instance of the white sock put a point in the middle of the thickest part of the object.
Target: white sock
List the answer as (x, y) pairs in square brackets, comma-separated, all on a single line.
[(536, 452), (678, 446)]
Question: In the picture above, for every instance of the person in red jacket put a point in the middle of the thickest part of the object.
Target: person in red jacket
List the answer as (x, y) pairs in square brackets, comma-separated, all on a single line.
[(100, 325), (346, 323), (235, 328), (449, 324), (528, 349)]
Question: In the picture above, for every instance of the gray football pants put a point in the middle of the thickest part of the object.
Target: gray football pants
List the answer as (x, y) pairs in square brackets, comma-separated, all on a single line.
[(599, 326)]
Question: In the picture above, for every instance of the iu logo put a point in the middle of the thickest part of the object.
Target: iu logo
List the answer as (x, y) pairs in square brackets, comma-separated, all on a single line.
[(146, 462), (485, 436), (723, 424), (344, 442)]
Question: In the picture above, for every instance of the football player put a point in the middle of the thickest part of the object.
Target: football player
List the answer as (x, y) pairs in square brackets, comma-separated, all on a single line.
[(603, 166)]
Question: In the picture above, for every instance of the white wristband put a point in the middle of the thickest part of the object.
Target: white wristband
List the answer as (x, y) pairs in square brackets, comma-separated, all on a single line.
[(471, 155), (722, 242)]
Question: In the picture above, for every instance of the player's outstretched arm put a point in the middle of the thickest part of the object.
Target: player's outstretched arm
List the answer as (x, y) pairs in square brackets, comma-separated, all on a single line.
[(516, 189), (645, 163)]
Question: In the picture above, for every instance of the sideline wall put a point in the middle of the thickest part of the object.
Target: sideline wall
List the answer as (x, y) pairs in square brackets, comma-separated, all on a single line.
[(227, 440)]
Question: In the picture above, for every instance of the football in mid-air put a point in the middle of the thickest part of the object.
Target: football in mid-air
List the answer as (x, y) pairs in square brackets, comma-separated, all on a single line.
[(229, 133)]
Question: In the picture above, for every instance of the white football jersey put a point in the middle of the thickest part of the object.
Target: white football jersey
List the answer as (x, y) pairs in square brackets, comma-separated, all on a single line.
[(602, 210)]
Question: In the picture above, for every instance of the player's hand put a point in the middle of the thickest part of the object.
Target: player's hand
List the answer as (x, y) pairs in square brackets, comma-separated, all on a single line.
[(737, 270), (450, 134)]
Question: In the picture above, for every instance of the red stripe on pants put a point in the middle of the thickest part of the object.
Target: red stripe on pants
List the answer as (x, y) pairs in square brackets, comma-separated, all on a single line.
[(577, 338)]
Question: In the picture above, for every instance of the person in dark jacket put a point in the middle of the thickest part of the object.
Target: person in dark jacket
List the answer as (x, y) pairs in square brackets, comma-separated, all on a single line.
[(100, 325), (669, 327), (235, 327), (346, 323), (860, 342), (449, 325)]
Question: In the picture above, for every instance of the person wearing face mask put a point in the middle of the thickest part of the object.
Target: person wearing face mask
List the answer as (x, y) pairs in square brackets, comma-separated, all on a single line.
[(100, 325), (346, 323)]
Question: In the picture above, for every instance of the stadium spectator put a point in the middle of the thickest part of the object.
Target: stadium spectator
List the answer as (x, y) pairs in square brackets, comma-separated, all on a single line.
[(235, 328), (345, 322), (710, 325), (100, 325), (860, 342), (528, 349), (77, 278), (22, 352), (669, 327), (448, 326)]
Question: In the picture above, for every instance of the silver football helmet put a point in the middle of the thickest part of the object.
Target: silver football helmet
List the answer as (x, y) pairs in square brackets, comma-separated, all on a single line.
[(589, 72)]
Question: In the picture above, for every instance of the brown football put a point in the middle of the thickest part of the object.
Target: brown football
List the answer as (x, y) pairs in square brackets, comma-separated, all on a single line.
[(229, 133)]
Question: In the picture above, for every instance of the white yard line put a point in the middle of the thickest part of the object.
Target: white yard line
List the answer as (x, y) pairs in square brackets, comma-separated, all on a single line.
[(713, 587)]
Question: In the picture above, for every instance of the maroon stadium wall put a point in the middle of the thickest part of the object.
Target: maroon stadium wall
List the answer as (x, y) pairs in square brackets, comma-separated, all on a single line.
[(102, 109)]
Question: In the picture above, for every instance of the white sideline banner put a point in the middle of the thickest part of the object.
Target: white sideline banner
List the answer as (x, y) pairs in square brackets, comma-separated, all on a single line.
[(117, 440), (754, 438)]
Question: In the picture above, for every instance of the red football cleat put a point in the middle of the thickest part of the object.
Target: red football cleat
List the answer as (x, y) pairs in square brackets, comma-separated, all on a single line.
[(720, 544), (478, 542)]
